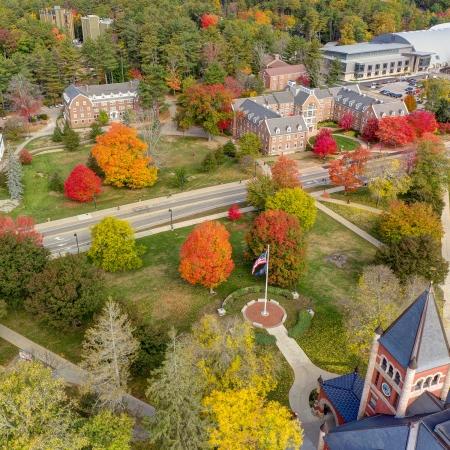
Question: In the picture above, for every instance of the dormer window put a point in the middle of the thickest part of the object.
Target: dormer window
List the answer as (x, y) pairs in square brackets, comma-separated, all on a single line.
[(339, 97), (345, 100), (418, 386), (351, 102), (401, 112), (427, 382), (358, 105), (383, 114), (277, 131), (384, 364), (397, 378), (255, 120), (391, 370), (391, 113), (435, 379), (299, 128), (365, 108), (288, 129)]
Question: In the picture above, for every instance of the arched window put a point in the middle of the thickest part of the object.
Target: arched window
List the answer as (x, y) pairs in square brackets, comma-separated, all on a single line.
[(277, 130), (397, 378), (427, 382), (288, 129), (418, 386), (435, 379), (384, 364), (391, 370)]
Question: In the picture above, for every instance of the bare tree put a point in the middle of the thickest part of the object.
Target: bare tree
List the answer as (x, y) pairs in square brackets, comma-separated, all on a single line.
[(109, 349), (150, 127), (260, 51), (14, 175)]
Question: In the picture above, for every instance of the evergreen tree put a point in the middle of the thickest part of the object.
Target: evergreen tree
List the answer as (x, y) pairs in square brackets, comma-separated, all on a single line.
[(14, 176), (334, 71), (214, 74), (70, 139), (152, 87), (96, 130), (312, 62), (57, 135)]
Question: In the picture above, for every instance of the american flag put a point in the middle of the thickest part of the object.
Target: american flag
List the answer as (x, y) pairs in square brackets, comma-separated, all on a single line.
[(262, 260)]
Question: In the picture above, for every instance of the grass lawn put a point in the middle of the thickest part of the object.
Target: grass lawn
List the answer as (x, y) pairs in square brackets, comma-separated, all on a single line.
[(365, 220), (40, 203), (362, 195), (345, 143)]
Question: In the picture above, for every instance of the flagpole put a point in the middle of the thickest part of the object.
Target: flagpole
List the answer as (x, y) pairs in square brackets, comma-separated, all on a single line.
[(265, 313)]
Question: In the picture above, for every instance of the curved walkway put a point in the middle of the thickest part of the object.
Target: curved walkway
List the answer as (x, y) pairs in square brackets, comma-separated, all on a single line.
[(305, 380)]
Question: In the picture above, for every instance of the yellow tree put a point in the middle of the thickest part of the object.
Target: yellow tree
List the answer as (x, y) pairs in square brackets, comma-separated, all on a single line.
[(243, 420)]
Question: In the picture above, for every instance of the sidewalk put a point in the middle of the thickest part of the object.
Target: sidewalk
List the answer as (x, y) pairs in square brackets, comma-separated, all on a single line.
[(446, 254), (352, 205)]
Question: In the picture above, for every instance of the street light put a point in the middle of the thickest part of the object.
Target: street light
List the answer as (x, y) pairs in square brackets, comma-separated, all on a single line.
[(95, 203), (171, 218), (76, 239)]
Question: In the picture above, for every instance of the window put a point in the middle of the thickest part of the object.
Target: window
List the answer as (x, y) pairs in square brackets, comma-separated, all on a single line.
[(407, 62), (391, 370), (435, 379), (427, 382), (400, 63), (418, 386), (369, 67), (397, 378), (392, 63), (395, 399), (277, 130), (288, 129), (385, 66), (377, 378), (373, 401), (377, 66), (384, 364)]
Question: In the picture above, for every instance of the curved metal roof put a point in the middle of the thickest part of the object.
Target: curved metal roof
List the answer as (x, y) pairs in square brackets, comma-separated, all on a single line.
[(435, 41)]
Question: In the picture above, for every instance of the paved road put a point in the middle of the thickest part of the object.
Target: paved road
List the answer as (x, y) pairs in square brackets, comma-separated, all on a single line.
[(446, 255)]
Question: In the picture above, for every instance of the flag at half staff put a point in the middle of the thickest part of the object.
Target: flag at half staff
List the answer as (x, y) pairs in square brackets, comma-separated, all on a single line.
[(261, 261)]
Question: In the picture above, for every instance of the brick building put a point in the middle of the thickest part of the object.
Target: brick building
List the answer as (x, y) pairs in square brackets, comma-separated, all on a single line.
[(404, 401), (285, 120), (59, 17), (277, 73), (82, 104)]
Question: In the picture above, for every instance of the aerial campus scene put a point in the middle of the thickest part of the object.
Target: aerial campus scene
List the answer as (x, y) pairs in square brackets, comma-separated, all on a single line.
[(224, 224)]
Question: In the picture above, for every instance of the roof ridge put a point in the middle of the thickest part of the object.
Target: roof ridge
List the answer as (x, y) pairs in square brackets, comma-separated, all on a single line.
[(419, 332)]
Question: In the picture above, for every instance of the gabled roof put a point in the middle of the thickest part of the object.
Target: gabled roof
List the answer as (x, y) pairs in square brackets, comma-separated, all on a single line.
[(295, 123), (345, 392), (418, 336), (286, 70), (98, 89), (249, 107)]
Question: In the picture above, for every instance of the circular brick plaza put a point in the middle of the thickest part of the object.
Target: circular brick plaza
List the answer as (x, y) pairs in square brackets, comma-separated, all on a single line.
[(253, 310)]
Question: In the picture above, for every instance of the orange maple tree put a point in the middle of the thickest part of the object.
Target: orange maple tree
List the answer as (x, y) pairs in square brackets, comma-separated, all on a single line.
[(122, 157), (205, 256), (285, 173)]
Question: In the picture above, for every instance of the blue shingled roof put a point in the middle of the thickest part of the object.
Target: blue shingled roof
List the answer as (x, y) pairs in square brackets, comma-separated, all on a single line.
[(418, 333), (344, 393)]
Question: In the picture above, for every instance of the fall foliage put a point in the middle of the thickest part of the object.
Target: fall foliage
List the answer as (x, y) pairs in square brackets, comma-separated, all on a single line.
[(347, 171), (234, 213), (122, 157), (285, 173), (25, 157), (395, 131), (205, 257), (324, 144), (370, 130), (287, 250), (82, 184), (346, 121), (422, 122), (209, 20), (410, 102), (22, 228)]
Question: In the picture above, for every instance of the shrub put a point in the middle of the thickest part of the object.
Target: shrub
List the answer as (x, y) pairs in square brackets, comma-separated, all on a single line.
[(229, 149), (25, 157), (96, 130), (42, 116), (57, 135), (82, 184), (219, 156), (250, 144), (56, 183), (283, 233), (302, 324), (234, 213), (14, 129), (70, 139), (297, 202), (181, 178), (264, 338), (324, 145), (103, 118), (93, 165), (209, 163)]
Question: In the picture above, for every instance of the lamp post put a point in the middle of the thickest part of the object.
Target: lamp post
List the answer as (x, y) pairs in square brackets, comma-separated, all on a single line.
[(95, 203), (76, 239), (171, 218)]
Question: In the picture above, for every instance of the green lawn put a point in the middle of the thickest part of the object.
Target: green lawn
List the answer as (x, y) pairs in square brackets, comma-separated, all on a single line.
[(345, 143), (155, 296), (42, 204), (362, 195), (365, 220)]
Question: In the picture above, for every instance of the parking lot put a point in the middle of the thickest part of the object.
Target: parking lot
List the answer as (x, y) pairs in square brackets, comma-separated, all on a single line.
[(394, 89)]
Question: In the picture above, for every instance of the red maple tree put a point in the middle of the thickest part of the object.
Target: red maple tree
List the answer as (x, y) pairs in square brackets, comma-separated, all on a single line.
[(324, 144), (234, 213), (348, 170), (234, 86), (395, 131), (209, 20), (346, 121), (285, 173), (82, 184), (205, 256), (422, 122), (370, 130), (25, 157), (304, 80), (22, 228)]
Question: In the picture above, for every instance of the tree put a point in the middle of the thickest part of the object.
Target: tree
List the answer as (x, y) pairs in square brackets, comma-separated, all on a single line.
[(82, 185), (334, 72), (415, 219), (55, 183), (181, 178), (20, 259), (379, 300), (415, 255), (285, 173), (24, 96), (348, 170), (259, 189), (36, 411), (121, 156), (229, 149), (21, 228), (244, 419), (176, 389), (429, 176), (103, 118), (283, 233), (209, 163), (442, 111), (396, 130), (346, 121), (14, 176), (109, 349), (25, 157), (234, 213), (410, 102), (250, 144), (312, 62), (324, 144), (435, 90), (66, 293), (57, 135), (370, 130), (214, 74), (70, 139), (153, 86), (205, 256), (96, 130), (422, 122), (114, 247), (297, 202), (208, 20), (150, 126)]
